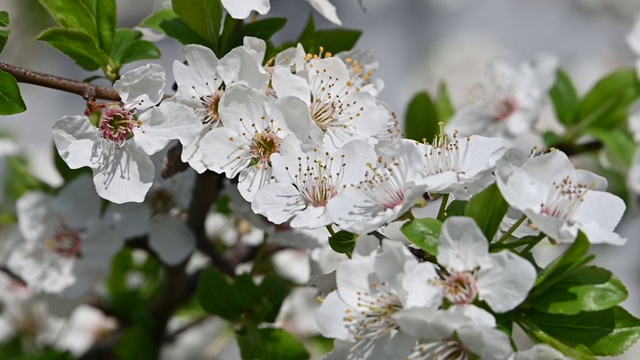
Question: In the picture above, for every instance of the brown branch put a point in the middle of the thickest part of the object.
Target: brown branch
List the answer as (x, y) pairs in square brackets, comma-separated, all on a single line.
[(86, 90)]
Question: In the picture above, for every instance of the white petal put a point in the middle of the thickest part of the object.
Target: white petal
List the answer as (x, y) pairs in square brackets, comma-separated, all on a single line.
[(34, 211), (462, 245), (489, 344), (242, 106), (224, 151), (287, 84), (420, 292), (126, 176), (202, 60), (171, 239), (128, 220), (330, 317), (354, 277), (242, 9), (598, 225), (506, 284), (326, 9), (312, 217), (164, 123), (100, 246), (78, 202), (143, 86), (75, 139), (242, 66), (278, 202), (252, 179)]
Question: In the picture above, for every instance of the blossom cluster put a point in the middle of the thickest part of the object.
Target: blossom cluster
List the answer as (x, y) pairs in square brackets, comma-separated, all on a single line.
[(309, 146)]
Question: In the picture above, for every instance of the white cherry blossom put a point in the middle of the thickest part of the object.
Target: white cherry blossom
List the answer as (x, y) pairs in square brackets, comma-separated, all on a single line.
[(118, 146), (560, 199), (502, 279)]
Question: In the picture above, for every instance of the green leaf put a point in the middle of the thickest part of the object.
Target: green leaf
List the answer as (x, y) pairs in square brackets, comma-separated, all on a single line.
[(177, 29), (10, 98), (571, 259), (551, 138), (73, 14), (4, 18), (605, 333), (606, 104), (269, 344), (4, 34), (78, 45), (576, 352), (106, 17), (424, 233), (343, 242), (488, 209), (140, 50), (228, 29), (217, 295), (137, 343), (443, 103), (455, 208), (309, 30), (565, 98), (271, 294), (421, 120), (204, 17), (263, 29), (584, 289), (155, 20), (334, 40), (616, 141)]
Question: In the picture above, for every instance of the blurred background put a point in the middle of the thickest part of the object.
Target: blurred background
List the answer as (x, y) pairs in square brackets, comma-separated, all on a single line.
[(418, 43)]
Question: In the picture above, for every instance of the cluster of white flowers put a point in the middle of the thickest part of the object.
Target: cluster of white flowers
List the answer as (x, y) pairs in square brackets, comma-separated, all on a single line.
[(312, 146)]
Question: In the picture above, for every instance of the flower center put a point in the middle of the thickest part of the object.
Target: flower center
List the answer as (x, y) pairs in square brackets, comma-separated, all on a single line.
[(210, 103), (263, 145), (443, 156), (563, 199), (447, 349), (116, 125), (65, 242), (384, 185), (505, 108), (459, 288), (315, 179), (372, 317), (322, 113)]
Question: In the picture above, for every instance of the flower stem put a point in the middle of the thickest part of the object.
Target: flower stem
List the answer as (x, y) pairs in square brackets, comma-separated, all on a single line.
[(330, 229), (513, 228), (443, 206), (532, 244)]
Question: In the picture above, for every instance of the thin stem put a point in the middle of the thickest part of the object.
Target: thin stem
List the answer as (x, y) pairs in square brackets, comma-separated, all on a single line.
[(532, 244), (443, 207), (86, 90), (513, 228), (330, 229)]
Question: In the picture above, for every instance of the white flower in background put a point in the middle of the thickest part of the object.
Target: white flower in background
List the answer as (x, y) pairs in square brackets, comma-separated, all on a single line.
[(66, 244), (338, 108), (502, 279), (202, 83), (387, 191), (633, 176), (308, 182), (117, 148), (450, 166), (560, 199), (159, 216), (362, 64), (326, 9), (360, 312), (254, 130), (508, 101), (458, 332)]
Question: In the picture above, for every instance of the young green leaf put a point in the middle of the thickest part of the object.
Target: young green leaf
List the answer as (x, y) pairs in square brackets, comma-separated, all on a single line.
[(455, 208), (423, 232), (217, 295), (572, 258), (73, 14), (4, 34), (78, 45), (421, 120), (204, 17), (106, 18), (616, 141), (155, 20), (10, 98), (343, 242), (177, 29), (487, 208), (268, 344), (605, 333), (443, 103), (584, 289), (606, 104), (565, 98), (128, 47)]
